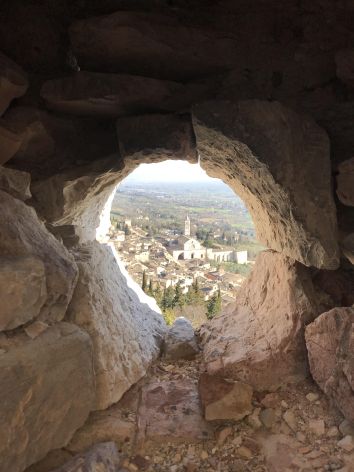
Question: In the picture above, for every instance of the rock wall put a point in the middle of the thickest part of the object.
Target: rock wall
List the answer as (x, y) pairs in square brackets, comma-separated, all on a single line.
[(88, 91), (125, 325), (54, 373), (261, 341)]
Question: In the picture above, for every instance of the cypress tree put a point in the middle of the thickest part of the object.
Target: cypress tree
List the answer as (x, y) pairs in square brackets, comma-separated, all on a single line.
[(144, 283)]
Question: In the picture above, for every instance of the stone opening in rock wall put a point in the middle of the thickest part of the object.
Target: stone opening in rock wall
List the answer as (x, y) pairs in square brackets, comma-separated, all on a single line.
[(184, 237)]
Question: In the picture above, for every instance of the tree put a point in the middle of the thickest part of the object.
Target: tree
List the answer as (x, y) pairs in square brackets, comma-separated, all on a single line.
[(214, 306), (144, 283), (158, 295), (150, 290), (167, 298), (194, 295), (179, 299)]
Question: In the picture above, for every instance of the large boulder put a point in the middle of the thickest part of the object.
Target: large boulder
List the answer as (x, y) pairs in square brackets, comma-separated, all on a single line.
[(171, 411), (261, 341), (22, 290), (180, 341), (52, 276), (345, 182), (345, 66), (151, 45), (77, 197), (91, 93), (271, 157), (125, 325), (44, 144), (102, 457), (47, 387), (13, 82), (15, 183), (156, 137), (330, 345), (113, 424), (10, 142), (224, 399)]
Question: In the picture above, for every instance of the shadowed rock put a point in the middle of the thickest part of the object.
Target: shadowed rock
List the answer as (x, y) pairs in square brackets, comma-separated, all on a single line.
[(15, 183), (13, 82), (278, 162), (153, 138), (102, 457), (180, 341), (44, 144), (345, 66), (90, 93), (330, 345), (10, 142), (149, 44), (345, 182)]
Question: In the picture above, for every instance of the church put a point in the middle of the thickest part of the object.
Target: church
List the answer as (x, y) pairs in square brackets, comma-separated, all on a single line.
[(187, 248)]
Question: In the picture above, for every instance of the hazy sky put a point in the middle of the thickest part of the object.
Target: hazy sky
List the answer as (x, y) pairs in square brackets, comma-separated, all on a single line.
[(169, 171)]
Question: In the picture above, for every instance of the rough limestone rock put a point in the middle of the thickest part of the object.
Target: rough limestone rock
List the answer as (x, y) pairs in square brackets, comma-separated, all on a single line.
[(171, 411), (10, 142), (111, 424), (15, 183), (44, 144), (345, 182), (345, 66), (223, 399), (149, 44), (330, 345), (90, 93), (79, 196), (335, 286), (180, 341), (13, 82), (153, 138), (261, 342), (125, 325), (22, 234), (272, 156), (102, 457), (54, 459), (22, 290), (47, 387)]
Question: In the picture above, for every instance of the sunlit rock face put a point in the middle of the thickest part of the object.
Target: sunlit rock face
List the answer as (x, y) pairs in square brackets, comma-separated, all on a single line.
[(43, 287), (125, 325), (48, 392), (261, 341), (273, 156)]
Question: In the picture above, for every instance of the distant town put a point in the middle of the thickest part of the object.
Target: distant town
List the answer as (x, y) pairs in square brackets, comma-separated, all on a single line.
[(188, 250)]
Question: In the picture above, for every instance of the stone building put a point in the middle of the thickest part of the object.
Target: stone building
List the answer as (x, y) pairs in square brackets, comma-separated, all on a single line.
[(187, 248)]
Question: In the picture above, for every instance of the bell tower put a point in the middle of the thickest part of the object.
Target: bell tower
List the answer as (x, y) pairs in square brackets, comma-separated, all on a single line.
[(187, 226)]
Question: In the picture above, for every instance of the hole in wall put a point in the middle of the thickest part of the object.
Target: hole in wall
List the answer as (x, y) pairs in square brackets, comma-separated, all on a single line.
[(185, 238)]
